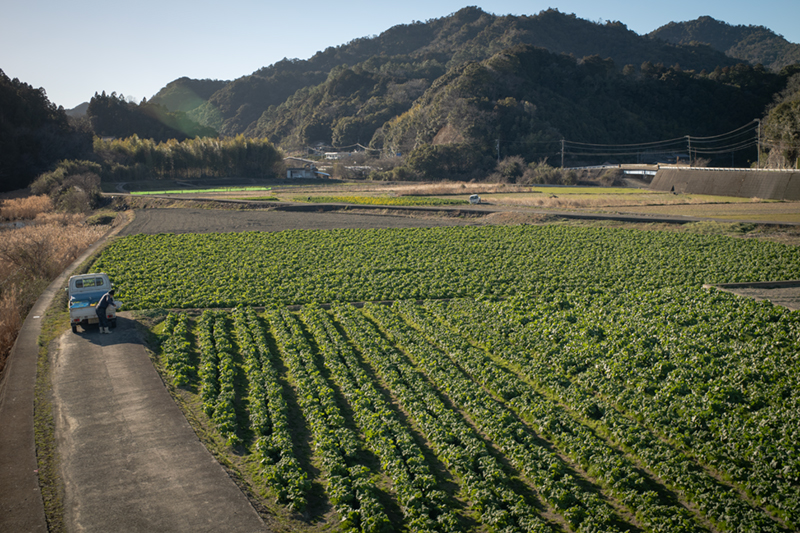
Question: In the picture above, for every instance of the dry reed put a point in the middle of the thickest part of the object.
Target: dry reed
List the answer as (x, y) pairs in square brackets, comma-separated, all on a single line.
[(31, 257), (446, 188), (25, 208), (605, 201), (10, 320)]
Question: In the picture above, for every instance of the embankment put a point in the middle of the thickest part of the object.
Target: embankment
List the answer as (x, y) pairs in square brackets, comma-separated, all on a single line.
[(745, 183)]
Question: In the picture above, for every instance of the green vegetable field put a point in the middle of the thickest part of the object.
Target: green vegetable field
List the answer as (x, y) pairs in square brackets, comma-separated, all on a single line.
[(527, 378)]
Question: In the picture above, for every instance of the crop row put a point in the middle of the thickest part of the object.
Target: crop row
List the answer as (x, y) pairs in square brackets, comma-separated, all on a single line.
[(218, 374), (618, 475), (352, 492), (582, 509), (724, 392), (487, 485), (269, 414), (208, 371), (425, 507), (177, 348), (224, 416), (544, 369)]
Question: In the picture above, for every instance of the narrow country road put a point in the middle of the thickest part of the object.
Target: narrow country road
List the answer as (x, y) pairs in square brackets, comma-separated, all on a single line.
[(129, 459)]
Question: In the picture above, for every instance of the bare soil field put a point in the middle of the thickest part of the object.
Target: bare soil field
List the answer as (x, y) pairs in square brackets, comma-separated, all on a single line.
[(166, 220), (767, 212), (634, 201)]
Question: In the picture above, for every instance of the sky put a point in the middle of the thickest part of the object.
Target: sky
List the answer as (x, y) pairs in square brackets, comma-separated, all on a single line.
[(75, 48)]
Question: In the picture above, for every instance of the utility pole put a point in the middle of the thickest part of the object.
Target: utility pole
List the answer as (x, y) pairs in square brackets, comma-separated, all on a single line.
[(758, 141), (562, 153), (689, 143), (497, 143)]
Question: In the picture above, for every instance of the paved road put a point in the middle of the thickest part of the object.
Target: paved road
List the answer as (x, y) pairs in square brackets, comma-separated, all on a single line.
[(129, 459)]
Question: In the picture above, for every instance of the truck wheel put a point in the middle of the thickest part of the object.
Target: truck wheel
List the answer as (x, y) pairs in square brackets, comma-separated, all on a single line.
[(74, 328)]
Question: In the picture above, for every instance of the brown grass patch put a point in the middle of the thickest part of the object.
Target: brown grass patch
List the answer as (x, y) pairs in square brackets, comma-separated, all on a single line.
[(25, 208), (10, 320), (449, 188), (30, 258), (594, 201)]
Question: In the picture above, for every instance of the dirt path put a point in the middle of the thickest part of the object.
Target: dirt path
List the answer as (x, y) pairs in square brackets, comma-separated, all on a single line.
[(129, 459), (783, 293)]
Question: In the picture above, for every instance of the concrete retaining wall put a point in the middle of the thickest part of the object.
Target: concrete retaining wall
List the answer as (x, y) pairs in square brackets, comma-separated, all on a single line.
[(766, 184)]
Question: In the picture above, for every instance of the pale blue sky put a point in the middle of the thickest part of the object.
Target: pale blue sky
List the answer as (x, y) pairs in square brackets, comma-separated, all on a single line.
[(76, 48)]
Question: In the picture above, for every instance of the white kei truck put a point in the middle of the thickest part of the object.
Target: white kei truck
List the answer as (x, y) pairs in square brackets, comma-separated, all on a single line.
[(85, 290)]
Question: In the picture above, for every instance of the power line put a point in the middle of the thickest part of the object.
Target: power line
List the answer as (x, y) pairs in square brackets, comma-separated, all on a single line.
[(741, 138)]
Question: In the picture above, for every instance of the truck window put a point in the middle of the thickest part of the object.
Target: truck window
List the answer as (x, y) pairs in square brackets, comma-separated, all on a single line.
[(88, 282)]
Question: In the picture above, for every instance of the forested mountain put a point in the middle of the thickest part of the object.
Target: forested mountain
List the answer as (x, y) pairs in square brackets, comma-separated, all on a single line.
[(782, 125), (754, 44), (34, 134), (411, 56), (525, 95)]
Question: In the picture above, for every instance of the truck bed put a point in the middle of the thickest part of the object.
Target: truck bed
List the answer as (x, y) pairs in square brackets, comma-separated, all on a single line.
[(86, 299)]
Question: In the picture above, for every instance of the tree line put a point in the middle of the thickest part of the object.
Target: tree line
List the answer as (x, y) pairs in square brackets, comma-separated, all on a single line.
[(34, 134), (74, 185), (134, 158)]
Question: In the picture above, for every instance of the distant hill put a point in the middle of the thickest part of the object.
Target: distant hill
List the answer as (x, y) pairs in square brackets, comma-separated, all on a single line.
[(185, 94), (422, 51), (78, 111), (754, 44)]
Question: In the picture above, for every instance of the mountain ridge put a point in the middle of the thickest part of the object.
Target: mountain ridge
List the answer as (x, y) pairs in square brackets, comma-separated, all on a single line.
[(466, 79), (469, 34), (754, 44)]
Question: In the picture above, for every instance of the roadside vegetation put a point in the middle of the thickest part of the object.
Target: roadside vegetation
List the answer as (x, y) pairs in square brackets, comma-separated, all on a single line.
[(36, 244)]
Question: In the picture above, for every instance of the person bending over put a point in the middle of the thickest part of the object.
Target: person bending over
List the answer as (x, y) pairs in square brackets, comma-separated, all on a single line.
[(101, 308)]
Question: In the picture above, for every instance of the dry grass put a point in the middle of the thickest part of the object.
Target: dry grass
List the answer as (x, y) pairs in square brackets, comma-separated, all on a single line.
[(32, 256), (44, 250), (448, 187), (60, 219), (25, 208), (10, 320), (566, 199)]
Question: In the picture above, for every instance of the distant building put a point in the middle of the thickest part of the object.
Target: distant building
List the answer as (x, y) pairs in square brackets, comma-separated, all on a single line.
[(297, 168), (338, 155)]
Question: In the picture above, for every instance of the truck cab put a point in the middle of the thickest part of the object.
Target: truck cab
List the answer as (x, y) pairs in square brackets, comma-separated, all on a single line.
[(85, 290)]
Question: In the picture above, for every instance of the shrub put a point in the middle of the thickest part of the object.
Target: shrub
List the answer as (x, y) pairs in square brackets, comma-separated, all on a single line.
[(74, 186), (511, 169), (539, 173)]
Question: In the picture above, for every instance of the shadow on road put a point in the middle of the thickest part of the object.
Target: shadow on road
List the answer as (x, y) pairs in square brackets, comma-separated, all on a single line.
[(125, 331)]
